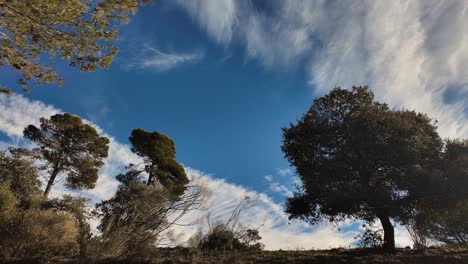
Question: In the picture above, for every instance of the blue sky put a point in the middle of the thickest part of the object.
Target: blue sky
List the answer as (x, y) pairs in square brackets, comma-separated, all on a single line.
[(224, 111), (221, 77)]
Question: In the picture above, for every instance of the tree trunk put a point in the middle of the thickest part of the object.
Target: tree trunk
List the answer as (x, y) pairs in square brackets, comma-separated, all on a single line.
[(389, 232), (150, 179), (53, 175)]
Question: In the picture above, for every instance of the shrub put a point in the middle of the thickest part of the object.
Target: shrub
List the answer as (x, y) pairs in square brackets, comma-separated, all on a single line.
[(370, 238)]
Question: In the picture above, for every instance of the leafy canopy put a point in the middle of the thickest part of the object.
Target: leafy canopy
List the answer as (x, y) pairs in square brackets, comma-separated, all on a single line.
[(158, 153), (67, 145), (358, 158), (78, 31), (442, 215)]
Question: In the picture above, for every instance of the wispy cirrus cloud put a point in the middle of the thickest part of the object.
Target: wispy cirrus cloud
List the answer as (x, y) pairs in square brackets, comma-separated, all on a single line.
[(277, 187), (150, 58), (413, 54)]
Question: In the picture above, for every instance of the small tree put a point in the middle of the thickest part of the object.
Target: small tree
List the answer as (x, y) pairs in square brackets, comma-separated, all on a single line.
[(140, 217), (251, 239), (67, 145), (358, 158)]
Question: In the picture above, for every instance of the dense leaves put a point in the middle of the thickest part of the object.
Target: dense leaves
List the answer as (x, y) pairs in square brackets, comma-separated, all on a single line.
[(20, 176), (158, 153), (358, 158), (225, 239), (443, 214), (75, 206), (27, 227), (33, 33), (67, 145)]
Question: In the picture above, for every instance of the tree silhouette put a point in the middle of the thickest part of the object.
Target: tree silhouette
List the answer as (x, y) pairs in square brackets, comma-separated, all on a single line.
[(158, 153), (67, 145), (443, 214), (358, 158)]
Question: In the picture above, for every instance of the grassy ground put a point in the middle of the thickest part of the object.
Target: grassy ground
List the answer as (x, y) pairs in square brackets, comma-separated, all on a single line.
[(334, 256), (354, 256)]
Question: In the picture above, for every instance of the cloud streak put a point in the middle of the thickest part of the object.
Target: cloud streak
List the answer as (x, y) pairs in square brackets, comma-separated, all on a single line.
[(151, 58), (413, 54)]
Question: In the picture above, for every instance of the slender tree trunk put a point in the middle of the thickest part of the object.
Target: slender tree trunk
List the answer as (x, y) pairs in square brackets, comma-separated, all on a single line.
[(150, 179), (53, 175), (389, 232), (151, 175)]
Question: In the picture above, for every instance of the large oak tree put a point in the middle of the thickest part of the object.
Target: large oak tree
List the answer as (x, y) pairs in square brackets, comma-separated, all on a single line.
[(358, 158)]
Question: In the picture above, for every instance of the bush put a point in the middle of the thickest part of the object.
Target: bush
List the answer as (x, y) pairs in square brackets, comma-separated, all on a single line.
[(370, 238), (449, 226), (46, 233), (221, 238), (7, 205)]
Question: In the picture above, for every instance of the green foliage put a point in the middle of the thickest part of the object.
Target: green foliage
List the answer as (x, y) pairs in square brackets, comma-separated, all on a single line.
[(45, 233), (76, 206), (66, 145), (358, 158), (7, 204), (250, 239), (158, 153), (230, 235), (26, 229), (454, 172), (447, 225), (20, 175), (34, 231), (138, 217), (220, 238), (79, 31), (131, 215), (442, 214)]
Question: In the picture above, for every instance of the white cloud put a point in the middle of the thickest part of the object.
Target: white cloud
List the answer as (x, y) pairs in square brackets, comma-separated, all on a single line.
[(284, 172), (276, 230), (411, 53), (277, 187), (217, 17), (154, 59), (16, 112)]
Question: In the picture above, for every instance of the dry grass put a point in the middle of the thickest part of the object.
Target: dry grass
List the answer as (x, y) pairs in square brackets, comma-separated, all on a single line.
[(334, 256)]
